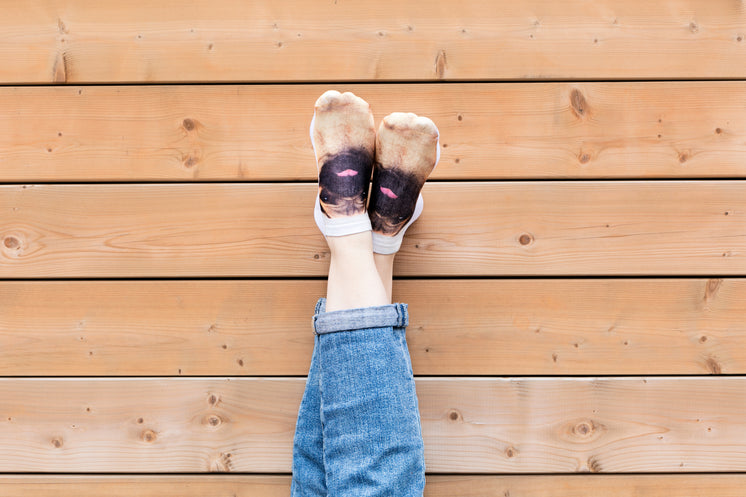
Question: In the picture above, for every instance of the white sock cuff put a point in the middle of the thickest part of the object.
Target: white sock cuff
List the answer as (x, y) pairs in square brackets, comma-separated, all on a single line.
[(391, 244), (340, 226), (386, 244)]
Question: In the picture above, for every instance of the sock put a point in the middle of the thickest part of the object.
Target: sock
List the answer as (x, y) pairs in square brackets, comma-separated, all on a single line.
[(345, 225), (383, 244)]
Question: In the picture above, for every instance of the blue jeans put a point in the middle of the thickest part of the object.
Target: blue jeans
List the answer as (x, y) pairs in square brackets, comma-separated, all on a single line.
[(358, 431)]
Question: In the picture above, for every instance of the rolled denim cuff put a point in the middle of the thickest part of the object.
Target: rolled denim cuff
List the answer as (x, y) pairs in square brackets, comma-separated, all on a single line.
[(383, 316)]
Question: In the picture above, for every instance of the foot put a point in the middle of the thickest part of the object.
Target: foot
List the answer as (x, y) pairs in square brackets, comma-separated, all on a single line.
[(406, 153), (343, 136)]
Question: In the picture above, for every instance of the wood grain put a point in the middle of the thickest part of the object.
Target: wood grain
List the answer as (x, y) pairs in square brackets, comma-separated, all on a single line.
[(145, 486), (515, 228), (63, 41), (488, 131), (723, 485), (457, 327), (169, 420), (480, 425)]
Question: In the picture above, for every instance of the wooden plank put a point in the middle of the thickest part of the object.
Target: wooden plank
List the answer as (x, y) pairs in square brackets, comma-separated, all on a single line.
[(478, 425), (726, 485), (63, 41), (515, 228), (488, 131), (145, 486), (457, 327), (722, 485), (157, 327)]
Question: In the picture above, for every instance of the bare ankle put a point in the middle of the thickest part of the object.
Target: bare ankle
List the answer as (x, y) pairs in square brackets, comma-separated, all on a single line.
[(385, 267), (350, 244)]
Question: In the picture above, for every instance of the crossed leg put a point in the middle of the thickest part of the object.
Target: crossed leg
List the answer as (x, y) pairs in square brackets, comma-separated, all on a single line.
[(358, 431)]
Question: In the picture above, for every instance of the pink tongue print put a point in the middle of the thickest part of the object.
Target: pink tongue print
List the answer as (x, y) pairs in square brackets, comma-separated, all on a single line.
[(388, 193), (347, 172)]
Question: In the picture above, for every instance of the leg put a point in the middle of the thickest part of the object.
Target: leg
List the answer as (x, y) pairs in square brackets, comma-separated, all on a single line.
[(343, 136), (371, 425), (353, 277), (407, 151), (309, 478), (372, 438), (385, 268), (368, 414)]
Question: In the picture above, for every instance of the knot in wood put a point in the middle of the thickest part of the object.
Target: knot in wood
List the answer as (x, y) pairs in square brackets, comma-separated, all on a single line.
[(594, 466), (220, 462), (188, 124), (11, 242), (713, 284), (583, 430), (59, 69), (525, 239), (578, 105), (440, 64), (454, 415), (190, 161), (713, 366), (148, 436), (213, 420), (57, 442)]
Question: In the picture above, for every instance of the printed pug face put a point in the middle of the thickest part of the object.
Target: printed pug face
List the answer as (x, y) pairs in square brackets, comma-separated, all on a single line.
[(343, 182), (393, 199)]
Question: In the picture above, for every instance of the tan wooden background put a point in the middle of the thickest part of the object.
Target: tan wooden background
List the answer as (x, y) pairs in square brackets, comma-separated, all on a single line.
[(576, 283)]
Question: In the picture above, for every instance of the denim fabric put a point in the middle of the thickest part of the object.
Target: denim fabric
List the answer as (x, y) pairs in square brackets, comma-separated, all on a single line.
[(309, 478), (393, 315), (358, 431)]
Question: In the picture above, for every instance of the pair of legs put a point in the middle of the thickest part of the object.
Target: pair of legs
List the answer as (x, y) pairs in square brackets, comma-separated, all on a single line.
[(358, 431)]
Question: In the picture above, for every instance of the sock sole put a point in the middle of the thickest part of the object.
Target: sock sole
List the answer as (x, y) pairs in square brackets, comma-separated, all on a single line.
[(339, 226), (383, 244)]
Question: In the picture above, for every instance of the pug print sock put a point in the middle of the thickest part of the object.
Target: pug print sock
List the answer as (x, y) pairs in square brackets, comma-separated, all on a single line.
[(343, 137), (407, 150)]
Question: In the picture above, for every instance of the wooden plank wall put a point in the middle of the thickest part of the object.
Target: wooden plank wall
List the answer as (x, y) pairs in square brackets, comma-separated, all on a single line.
[(576, 282)]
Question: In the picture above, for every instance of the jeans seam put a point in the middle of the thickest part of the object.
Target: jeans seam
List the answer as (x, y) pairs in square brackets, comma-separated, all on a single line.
[(382, 316)]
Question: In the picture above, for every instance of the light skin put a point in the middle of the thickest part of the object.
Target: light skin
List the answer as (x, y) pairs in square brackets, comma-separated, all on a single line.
[(354, 280), (385, 267), (357, 276)]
